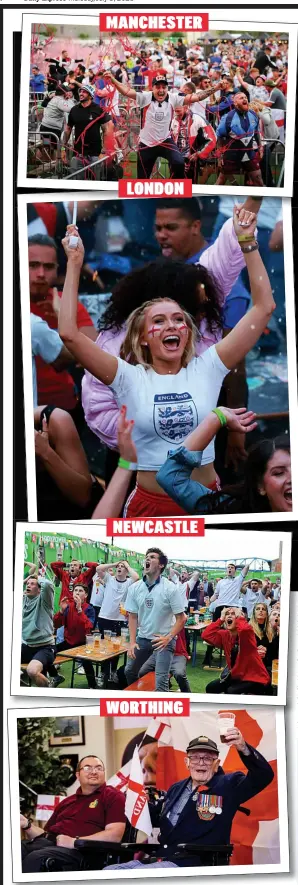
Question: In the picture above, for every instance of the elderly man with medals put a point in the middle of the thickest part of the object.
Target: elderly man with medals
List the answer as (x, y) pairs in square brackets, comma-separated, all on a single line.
[(200, 809)]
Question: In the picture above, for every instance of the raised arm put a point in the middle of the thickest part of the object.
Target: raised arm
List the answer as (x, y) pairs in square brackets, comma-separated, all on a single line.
[(121, 87), (102, 365), (174, 476), (246, 333), (113, 499), (199, 96)]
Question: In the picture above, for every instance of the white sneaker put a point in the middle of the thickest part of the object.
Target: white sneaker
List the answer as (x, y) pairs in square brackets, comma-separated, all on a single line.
[(81, 671), (114, 678)]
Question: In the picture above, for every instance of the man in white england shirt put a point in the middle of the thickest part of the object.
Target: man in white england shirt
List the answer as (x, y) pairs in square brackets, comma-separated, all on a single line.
[(114, 592), (228, 590), (157, 110)]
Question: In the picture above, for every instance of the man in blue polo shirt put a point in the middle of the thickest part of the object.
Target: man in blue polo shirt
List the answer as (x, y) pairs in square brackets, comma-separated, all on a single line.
[(156, 616)]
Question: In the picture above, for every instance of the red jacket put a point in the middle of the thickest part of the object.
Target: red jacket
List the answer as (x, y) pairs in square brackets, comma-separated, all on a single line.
[(248, 666), (181, 645), (76, 624), (62, 573)]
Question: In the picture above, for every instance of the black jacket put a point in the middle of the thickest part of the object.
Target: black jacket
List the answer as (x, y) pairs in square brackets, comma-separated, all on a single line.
[(262, 61)]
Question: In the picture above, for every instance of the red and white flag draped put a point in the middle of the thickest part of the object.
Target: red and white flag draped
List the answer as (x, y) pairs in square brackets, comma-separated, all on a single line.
[(121, 778), (136, 805), (46, 805), (129, 778), (255, 837)]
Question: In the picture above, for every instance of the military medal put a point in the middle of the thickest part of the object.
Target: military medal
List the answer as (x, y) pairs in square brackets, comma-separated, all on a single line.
[(208, 806)]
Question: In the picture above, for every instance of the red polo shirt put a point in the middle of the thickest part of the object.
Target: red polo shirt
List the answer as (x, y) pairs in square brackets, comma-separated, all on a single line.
[(82, 815)]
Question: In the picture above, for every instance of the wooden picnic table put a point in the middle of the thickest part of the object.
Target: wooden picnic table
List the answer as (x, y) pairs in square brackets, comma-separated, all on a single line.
[(95, 656), (196, 628)]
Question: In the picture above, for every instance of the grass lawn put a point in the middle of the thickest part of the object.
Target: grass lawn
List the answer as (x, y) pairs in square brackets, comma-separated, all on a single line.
[(130, 170)]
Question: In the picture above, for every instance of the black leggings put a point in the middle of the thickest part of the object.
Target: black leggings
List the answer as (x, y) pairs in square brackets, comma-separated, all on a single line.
[(237, 686), (88, 667)]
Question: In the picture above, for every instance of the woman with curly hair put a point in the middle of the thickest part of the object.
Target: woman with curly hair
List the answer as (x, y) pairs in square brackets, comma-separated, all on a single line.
[(167, 389)]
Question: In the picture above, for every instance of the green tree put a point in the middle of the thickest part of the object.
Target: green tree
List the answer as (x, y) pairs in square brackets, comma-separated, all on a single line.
[(50, 30), (39, 764)]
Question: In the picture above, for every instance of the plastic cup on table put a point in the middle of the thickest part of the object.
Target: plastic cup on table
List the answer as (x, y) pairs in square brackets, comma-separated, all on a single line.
[(89, 644), (107, 639), (96, 641)]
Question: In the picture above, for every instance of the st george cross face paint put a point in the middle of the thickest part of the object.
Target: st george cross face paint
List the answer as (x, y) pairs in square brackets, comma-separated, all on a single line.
[(182, 327)]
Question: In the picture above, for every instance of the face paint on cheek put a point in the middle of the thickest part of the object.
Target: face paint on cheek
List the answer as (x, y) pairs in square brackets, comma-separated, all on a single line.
[(182, 327), (152, 330)]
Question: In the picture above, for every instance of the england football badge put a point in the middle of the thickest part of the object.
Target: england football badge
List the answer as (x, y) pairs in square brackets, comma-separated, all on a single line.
[(175, 416)]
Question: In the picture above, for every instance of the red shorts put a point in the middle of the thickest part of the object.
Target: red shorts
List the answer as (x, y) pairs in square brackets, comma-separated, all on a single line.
[(232, 166), (143, 503)]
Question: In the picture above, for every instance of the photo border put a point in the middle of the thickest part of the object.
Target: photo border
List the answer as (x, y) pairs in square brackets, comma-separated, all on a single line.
[(223, 519), (19, 876), (218, 24), (195, 697)]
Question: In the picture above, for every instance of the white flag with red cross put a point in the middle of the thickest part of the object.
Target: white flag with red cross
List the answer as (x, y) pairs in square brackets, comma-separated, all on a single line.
[(121, 778), (46, 805), (136, 805)]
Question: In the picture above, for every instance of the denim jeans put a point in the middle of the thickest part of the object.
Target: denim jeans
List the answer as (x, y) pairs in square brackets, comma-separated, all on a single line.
[(162, 663), (78, 165), (178, 670)]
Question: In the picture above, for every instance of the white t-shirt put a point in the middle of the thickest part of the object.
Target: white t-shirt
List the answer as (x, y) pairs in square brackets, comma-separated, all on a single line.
[(228, 591), (97, 591), (155, 608), (114, 593), (185, 588), (45, 342), (157, 116), (250, 598), (166, 408)]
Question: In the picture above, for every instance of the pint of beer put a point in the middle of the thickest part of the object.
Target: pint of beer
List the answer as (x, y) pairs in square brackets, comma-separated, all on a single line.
[(274, 680), (225, 721)]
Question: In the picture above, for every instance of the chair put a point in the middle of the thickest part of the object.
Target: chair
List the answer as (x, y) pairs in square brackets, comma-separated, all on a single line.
[(210, 855)]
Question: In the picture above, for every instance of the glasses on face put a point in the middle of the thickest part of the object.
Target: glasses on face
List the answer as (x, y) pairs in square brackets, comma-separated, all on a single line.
[(89, 768), (198, 758)]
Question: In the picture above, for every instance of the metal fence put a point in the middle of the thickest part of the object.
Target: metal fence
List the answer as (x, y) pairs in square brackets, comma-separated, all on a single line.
[(47, 157)]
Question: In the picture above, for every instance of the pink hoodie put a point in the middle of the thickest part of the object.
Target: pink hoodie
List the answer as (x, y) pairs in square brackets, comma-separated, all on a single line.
[(225, 261)]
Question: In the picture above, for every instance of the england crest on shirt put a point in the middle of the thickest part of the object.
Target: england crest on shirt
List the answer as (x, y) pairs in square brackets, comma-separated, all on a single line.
[(175, 416)]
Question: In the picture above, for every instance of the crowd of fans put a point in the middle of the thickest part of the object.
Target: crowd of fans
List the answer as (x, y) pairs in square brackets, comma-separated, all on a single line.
[(151, 617), (209, 108), (83, 422)]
